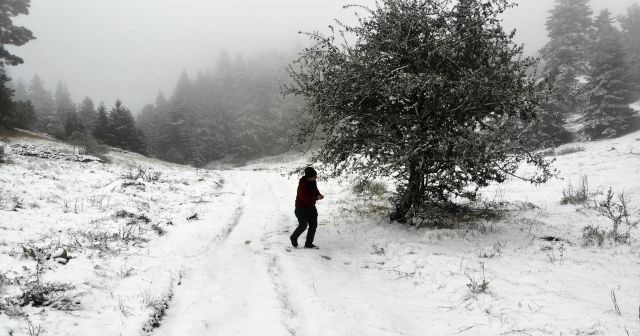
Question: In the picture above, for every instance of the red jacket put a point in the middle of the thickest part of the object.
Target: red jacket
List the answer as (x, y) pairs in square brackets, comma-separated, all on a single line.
[(304, 199)]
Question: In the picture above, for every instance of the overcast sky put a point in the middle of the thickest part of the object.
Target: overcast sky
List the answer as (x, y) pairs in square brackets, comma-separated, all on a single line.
[(131, 49)]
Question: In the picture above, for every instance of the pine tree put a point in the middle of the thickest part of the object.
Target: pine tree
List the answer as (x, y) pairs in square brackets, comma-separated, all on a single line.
[(608, 112), (72, 124), (570, 30), (10, 35), (6, 104), (13, 112), (101, 126), (161, 101), (178, 143), (43, 105), (151, 122), (565, 58), (87, 113), (122, 131), (65, 112), (23, 115), (21, 94), (631, 36)]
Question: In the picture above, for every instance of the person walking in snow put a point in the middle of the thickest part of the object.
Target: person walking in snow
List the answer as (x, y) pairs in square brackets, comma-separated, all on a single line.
[(306, 211)]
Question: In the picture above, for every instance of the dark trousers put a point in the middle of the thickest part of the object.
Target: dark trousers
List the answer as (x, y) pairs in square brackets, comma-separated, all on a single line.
[(306, 217)]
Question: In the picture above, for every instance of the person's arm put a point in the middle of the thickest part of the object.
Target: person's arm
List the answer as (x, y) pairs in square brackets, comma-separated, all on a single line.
[(320, 195)]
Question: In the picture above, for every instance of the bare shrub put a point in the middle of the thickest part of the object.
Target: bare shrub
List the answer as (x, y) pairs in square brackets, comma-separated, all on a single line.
[(18, 203), (130, 232), (158, 229), (555, 251), (95, 239), (496, 250), (377, 250), (33, 330), (122, 307), (126, 272), (135, 172), (578, 194), (479, 285), (153, 176), (593, 236), (620, 215)]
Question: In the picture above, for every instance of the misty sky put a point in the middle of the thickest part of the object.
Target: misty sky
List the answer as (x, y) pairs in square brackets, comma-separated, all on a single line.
[(131, 49)]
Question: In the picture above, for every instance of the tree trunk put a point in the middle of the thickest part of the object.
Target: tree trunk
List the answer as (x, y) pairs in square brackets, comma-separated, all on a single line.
[(410, 196)]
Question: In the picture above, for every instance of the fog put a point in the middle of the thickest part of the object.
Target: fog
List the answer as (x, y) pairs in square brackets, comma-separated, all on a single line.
[(132, 49)]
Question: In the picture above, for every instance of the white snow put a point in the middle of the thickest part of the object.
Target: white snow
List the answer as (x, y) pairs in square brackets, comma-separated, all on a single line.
[(233, 272)]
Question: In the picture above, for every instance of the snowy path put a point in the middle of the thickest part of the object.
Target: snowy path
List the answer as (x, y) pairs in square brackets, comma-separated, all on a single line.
[(251, 282), (233, 289)]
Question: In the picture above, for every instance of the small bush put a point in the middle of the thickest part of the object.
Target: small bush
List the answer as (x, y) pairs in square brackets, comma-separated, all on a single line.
[(476, 216), (576, 195), (478, 286), (3, 155), (88, 145), (133, 217), (620, 214), (593, 236), (367, 187), (568, 150), (561, 151), (135, 172), (159, 307), (40, 294), (4, 282), (158, 229)]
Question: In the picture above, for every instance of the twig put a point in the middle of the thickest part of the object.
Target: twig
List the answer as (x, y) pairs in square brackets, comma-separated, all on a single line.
[(615, 302), (465, 329)]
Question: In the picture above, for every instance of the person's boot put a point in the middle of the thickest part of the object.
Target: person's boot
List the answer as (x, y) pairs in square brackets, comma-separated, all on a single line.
[(293, 242), (311, 246)]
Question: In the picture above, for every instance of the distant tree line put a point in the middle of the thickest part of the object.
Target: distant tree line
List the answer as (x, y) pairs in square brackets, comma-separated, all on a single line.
[(596, 68), (37, 109), (60, 117), (232, 111)]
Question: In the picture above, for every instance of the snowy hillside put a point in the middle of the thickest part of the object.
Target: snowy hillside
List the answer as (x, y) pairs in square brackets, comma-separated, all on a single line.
[(139, 266)]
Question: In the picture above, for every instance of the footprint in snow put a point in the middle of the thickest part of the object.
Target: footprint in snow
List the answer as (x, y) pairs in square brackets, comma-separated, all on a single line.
[(325, 257)]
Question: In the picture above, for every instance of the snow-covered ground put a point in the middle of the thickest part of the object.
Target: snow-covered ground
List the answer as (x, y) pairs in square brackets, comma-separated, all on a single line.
[(232, 271)]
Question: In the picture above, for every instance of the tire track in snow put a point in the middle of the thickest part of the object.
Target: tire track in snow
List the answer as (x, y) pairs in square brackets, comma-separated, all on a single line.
[(235, 218), (282, 295), (293, 322), (157, 317), (235, 275)]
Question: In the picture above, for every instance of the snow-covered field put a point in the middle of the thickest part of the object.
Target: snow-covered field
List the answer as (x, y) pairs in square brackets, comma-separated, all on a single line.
[(140, 267)]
